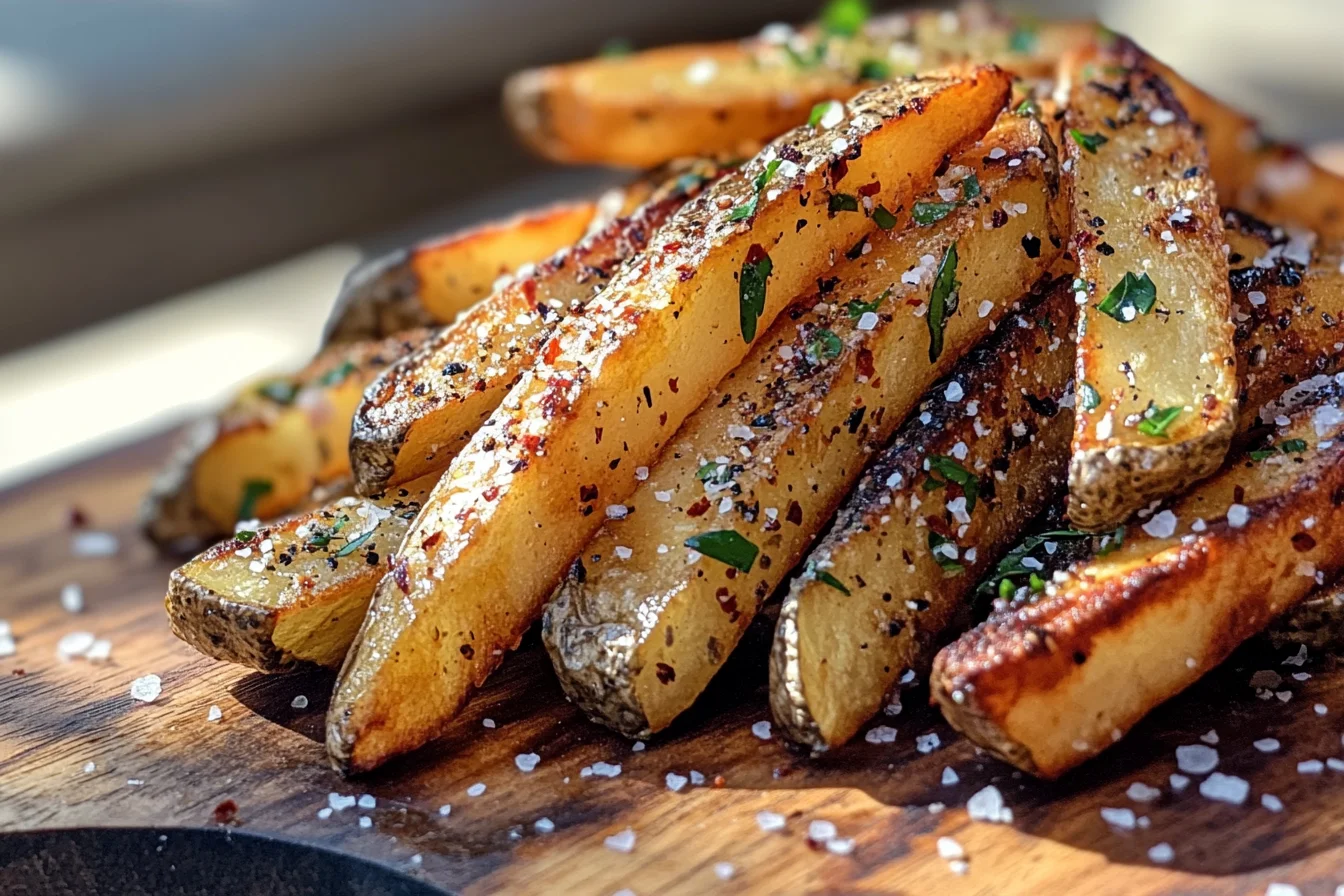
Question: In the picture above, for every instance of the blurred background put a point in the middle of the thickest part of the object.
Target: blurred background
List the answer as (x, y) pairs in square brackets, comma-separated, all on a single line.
[(183, 183)]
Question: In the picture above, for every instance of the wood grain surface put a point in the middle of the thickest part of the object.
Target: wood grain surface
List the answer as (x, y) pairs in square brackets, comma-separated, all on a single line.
[(165, 763)]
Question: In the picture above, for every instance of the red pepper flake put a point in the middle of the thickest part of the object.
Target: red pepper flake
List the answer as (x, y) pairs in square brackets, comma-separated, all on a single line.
[(698, 507), (402, 577), (794, 514), (672, 246), (77, 518), (672, 384), (871, 189), (720, 782), (431, 541), (597, 431), (756, 254), (1303, 542), (20, 672), (662, 419), (552, 350), (226, 812), (863, 363), (491, 493), (530, 290), (839, 168), (587, 493), (666, 674)]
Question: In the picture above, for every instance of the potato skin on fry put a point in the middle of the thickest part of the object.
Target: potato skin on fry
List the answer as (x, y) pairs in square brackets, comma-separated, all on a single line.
[(875, 596), (434, 281), (287, 433), (293, 593), (636, 630), (1145, 216), (421, 411), (1051, 682), (519, 502)]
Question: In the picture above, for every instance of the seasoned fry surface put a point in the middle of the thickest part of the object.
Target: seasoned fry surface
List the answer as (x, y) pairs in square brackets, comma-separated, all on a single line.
[(1156, 370), (422, 410), (983, 456), (292, 592), (643, 620), (611, 387), (1050, 682)]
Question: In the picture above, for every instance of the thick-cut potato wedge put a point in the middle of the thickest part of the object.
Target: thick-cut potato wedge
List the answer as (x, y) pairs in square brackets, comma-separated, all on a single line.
[(1051, 682), (1156, 372), (835, 656), (898, 568), (294, 592), (265, 453), (637, 630), (611, 387), (434, 281), (422, 410), (699, 99)]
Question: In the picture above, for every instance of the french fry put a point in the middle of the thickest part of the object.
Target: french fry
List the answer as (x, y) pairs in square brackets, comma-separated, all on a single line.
[(263, 455), (1048, 683), (637, 630), (612, 386), (1156, 370), (421, 411)]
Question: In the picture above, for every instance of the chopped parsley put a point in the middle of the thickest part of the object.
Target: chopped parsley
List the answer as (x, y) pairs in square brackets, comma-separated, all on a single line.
[(1089, 142), (253, 491), (842, 202), (1132, 296), (1028, 107), (726, 546), (715, 473), (942, 301), (353, 544), (883, 218), (826, 578), (824, 345), (950, 566), (1290, 446), (819, 112), (970, 187), (244, 535), (1012, 566), (748, 208), (1089, 397), (1112, 542), (337, 375), (844, 17), (874, 70), (858, 309), (1158, 420), (954, 472), (279, 391), (751, 290), (926, 213)]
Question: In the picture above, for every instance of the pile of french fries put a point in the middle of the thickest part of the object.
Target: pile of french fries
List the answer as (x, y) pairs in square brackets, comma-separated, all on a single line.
[(895, 290)]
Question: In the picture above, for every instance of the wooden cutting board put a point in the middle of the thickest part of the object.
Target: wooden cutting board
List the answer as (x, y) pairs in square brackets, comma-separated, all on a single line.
[(164, 763)]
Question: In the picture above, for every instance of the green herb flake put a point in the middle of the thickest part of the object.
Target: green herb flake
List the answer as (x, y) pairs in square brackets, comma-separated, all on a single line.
[(337, 375), (1035, 583), (1089, 397), (1293, 446), (714, 473), (751, 290), (950, 566), (726, 546), (942, 301), (1012, 567), (952, 471), (244, 535), (844, 17), (883, 218), (616, 46), (1028, 107), (1006, 589), (1262, 453), (1132, 296), (819, 112), (279, 391), (748, 208), (1089, 142), (874, 70), (352, 545), (858, 309), (926, 213), (824, 345), (842, 202), (1112, 542), (1157, 422), (970, 187), (253, 491), (826, 578)]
